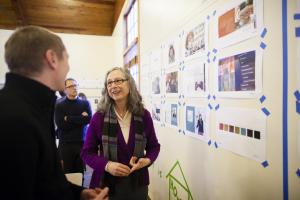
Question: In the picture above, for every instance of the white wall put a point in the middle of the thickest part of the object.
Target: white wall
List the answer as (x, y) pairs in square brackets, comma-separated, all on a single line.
[(90, 58), (215, 173)]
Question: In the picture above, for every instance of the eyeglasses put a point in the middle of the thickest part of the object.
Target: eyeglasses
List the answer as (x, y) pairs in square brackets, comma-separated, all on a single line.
[(72, 86), (117, 82)]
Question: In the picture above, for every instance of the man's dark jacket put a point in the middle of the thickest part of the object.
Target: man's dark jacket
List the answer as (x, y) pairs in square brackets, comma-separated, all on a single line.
[(30, 167)]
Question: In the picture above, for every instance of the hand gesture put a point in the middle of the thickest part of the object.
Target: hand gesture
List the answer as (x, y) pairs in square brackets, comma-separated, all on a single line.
[(117, 169), (138, 163), (97, 194), (84, 114), (102, 194)]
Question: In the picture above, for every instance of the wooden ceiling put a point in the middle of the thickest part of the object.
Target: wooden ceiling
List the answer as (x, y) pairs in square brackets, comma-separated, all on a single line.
[(90, 17)]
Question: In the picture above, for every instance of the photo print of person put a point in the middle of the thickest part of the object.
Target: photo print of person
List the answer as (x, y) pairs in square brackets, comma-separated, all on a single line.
[(174, 115), (199, 124), (172, 51), (171, 54), (237, 73), (156, 84), (237, 18), (195, 40), (195, 122), (237, 21), (172, 82)]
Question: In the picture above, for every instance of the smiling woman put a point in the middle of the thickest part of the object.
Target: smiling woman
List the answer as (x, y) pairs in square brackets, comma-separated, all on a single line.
[(121, 130)]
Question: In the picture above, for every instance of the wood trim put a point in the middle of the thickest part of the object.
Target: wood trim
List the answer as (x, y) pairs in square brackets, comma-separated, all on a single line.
[(118, 9), (132, 44)]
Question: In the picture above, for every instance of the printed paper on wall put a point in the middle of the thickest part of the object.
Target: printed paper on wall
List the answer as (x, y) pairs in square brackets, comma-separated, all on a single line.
[(195, 78), (238, 21), (242, 131), (239, 75), (197, 122)]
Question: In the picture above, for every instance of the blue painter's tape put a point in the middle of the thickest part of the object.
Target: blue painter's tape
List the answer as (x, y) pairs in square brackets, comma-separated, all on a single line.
[(297, 31), (263, 45), (209, 143), (214, 59), (208, 60), (285, 66), (262, 98), (207, 17), (265, 110), (263, 33), (210, 107), (208, 53), (214, 97), (298, 107), (208, 97), (298, 172), (217, 107), (215, 50), (297, 95), (265, 164), (216, 145), (214, 13), (297, 16)]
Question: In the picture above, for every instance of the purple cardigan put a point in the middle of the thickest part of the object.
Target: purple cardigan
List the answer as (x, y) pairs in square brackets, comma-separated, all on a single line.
[(95, 160)]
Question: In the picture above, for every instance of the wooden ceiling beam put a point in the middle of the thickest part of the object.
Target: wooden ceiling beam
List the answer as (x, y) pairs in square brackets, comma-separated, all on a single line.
[(18, 8), (109, 2)]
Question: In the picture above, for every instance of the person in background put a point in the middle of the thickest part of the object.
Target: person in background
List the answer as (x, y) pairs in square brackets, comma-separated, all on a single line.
[(30, 165), (71, 116), (83, 97), (122, 130)]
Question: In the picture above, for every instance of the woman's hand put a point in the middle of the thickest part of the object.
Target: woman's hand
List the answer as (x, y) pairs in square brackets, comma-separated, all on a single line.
[(117, 169), (136, 165)]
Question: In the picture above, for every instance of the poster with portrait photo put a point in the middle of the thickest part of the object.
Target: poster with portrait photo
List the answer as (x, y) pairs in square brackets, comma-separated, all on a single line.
[(197, 122), (156, 83), (156, 112), (239, 75), (171, 110), (194, 39), (242, 131), (195, 78), (237, 21), (172, 52), (171, 82)]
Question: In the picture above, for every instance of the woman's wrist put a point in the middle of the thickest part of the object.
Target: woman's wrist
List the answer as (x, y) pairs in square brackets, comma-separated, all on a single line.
[(107, 166)]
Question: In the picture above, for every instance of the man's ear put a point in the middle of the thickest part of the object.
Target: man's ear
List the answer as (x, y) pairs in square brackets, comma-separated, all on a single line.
[(51, 58)]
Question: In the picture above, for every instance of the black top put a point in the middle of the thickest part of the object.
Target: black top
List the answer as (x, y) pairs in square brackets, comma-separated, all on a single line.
[(30, 166), (71, 129)]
